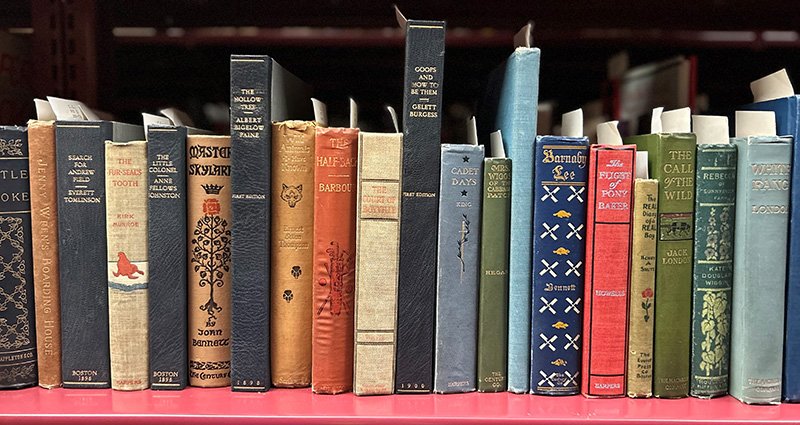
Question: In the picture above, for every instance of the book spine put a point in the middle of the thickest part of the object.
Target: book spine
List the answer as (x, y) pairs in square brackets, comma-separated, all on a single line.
[(643, 289), (715, 199), (251, 139), (80, 162), (335, 185), (608, 235), (516, 118), (789, 123), (422, 109), (44, 235), (493, 282), (292, 252), (166, 257), (380, 159), (208, 187), (458, 268), (128, 276), (759, 273), (17, 321), (559, 222)]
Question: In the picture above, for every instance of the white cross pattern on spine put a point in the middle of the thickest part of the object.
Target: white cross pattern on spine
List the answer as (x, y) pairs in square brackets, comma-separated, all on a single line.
[(575, 231), (548, 342), (548, 305), (571, 378), (572, 342), (548, 268), (550, 194), (576, 193), (572, 305), (573, 268), (549, 231), (546, 379)]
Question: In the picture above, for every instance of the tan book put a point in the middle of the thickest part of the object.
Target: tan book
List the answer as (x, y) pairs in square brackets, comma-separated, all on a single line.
[(126, 235), (292, 252), (642, 292), (44, 232), (377, 257), (208, 187)]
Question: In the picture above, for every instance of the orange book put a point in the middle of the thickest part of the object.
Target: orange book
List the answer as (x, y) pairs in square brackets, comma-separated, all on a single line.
[(336, 155)]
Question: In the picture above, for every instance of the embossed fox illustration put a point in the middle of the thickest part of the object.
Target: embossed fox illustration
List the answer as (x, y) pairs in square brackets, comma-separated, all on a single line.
[(291, 194), (126, 268)]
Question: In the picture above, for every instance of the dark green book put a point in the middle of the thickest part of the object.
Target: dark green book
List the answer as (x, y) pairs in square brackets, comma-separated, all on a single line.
[(493, 284), (671, 160), (715, 199)]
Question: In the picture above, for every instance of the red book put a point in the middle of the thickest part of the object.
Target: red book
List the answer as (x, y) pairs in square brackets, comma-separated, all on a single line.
[(336, 156), (608, 239)]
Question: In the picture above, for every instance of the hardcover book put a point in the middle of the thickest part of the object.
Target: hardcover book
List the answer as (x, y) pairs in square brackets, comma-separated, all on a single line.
[(422, 105), (335, 180), (715, 199), (167, 256), (639, 381), (457, 278), (559, 226), (80, 162), (608, 236), (493, 282), (44, 234), (208, 205), (763, 188), (261, 92), (128, 274), (292, 252), (380, 160), (17, 321), (671, 159)]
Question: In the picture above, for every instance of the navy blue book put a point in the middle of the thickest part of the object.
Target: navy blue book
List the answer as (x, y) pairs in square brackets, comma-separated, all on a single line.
[(559, 220), (787, 117)]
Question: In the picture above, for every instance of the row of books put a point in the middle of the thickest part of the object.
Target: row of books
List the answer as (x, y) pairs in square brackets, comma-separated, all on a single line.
[(413, 267)]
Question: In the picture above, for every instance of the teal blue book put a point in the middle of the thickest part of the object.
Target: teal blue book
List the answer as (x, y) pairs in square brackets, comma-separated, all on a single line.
[(763, 185), (516, 119)]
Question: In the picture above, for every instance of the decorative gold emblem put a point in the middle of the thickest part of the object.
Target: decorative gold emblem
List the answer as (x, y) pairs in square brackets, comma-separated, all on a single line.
[(560, 325), (562, 214), (561, 251), (559, 362)]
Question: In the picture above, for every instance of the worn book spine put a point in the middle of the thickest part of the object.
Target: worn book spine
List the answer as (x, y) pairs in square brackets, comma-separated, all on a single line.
[(715, 199), (422, 109), (608, 238), (643, 288), (493, 281), (380, 161), (671, 160), (763, 186), (292, 252), (80, 161), (44, 234), (251, 139), (166, 257), (516, 118), (208, 189), (335, 186), (126, 241), (458, 268), (17, 321), (559, 222)]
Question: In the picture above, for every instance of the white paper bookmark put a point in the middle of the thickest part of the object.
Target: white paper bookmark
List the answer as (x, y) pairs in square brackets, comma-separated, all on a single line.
[(572, 123), (773, 86), (608, 134), (472, 132), (496, 143), (676, 121), (755, 123), (320, 112), (711, 129), (642, 169)]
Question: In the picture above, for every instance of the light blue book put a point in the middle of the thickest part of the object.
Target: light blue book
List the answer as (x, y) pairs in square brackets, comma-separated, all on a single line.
[(516, 119)]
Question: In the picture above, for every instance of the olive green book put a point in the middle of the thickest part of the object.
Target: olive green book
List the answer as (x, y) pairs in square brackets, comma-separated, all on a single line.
[(671, 160)]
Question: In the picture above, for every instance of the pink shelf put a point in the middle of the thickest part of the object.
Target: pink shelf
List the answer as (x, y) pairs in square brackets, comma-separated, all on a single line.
[(219, 406)]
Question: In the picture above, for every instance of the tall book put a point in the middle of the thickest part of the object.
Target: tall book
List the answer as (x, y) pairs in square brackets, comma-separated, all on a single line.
[(44, 234), (292, 252), (380, 160), (493, 281), (80, 162), (17, 322), (559, 225), (608, 235), (128, 274), (422, 108), (639, 381), (167, 256), (208, 205), (458, 267), (335, 180), (671, 160), (775, 93), (715, 198), (763, 185), (516, 119), (261, 92)]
